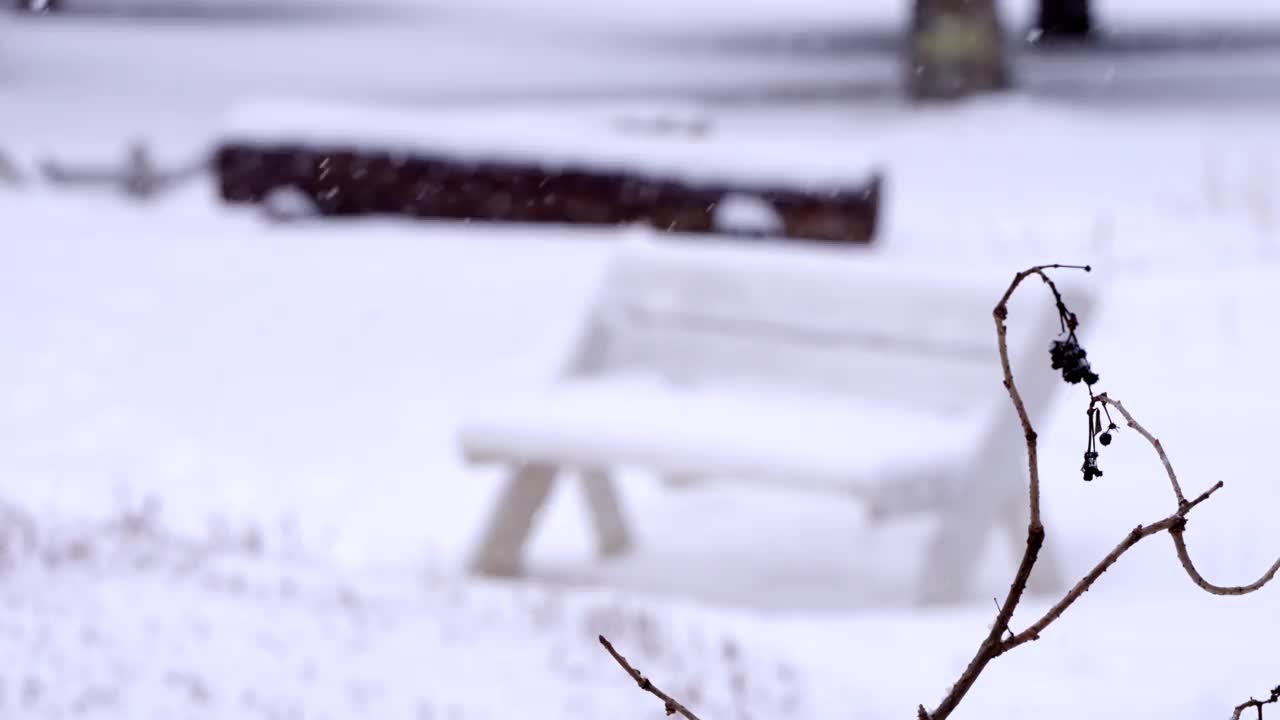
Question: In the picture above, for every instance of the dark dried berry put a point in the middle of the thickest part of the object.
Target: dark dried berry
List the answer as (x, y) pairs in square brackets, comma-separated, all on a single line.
[(1105, 438), (1090, 467)]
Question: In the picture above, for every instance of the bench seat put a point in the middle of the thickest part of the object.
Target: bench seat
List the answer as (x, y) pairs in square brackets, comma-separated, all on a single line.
[(744, 433)]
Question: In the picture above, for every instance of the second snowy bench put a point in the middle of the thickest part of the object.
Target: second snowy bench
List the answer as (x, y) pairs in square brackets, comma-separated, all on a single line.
[(808, 369)]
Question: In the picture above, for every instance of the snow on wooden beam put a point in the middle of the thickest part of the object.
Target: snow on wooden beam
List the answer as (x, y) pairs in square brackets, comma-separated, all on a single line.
[(519, 173)]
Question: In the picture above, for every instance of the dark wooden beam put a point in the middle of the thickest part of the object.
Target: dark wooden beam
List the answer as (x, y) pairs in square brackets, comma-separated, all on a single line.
[(348, 180)]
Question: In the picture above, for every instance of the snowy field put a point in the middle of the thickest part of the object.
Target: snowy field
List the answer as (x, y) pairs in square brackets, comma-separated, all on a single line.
[(234, 440)]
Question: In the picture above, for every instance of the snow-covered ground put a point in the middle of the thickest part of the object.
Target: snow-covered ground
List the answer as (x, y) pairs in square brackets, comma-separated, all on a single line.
[(59, 72), (274, 404)]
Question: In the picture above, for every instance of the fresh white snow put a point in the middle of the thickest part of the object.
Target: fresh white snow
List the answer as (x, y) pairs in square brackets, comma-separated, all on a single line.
[(738, 213), (720, 432), (287, 204), (236, 439), (553, 139)]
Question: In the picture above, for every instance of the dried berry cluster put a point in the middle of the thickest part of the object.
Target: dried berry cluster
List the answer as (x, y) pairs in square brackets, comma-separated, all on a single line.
[(1067, 355), (1071, 359)]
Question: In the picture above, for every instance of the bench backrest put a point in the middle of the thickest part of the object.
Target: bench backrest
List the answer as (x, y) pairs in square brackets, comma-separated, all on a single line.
[(826, 320)]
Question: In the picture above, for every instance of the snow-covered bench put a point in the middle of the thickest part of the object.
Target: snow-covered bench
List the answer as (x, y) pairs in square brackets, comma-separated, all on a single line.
[(811, 369)]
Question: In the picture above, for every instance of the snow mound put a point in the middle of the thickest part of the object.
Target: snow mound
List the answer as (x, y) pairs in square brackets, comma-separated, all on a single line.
[(285, 204), (746, 214)]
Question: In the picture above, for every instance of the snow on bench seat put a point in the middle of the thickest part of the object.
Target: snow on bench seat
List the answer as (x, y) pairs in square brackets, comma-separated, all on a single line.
[(742, 433)]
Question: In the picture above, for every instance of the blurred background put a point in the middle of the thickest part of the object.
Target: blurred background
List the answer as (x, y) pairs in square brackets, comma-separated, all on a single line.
[(318, 316)]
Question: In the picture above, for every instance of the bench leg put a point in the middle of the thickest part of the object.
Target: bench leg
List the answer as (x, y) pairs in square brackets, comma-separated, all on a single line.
[(1046, 579), (953, 554), (612, 535), (511, 523)]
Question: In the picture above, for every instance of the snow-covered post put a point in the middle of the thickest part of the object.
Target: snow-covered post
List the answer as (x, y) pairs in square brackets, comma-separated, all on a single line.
[(955, 49), (1064, 20), (17, 534), (9, 172)]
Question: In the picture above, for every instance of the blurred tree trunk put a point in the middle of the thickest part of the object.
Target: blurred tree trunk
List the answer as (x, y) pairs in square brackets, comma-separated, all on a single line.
[(956, 49), (1064, 20)]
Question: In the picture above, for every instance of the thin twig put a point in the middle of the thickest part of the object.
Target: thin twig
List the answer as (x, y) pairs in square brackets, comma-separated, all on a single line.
[(1176, 532), (670, 704), (1254, 703), (1001, 315), (1180, 544), (1105, 400)]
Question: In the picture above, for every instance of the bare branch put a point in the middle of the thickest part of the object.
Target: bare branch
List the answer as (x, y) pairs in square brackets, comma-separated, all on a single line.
[(995, 644), (1202, 497), (990, 647), (1176, 520), (1155, 443), (1080, 588), (670, 704), (1001, 315), (1176, 532), (1181, 545), (1254, 703)]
